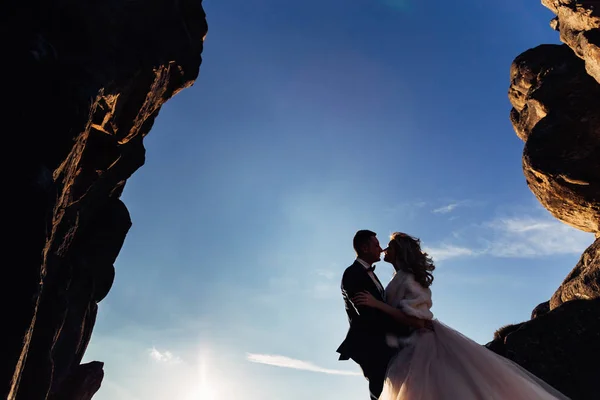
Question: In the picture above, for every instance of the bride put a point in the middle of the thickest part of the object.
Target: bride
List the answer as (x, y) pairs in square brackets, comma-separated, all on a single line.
[(437, 362)]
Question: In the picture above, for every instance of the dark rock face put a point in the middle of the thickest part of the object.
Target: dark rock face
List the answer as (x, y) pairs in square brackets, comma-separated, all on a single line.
[(86, 80), (556, 113), (497, 345), (561, 347), (583, 282), (540, 309), (555, 93), (83, 382)]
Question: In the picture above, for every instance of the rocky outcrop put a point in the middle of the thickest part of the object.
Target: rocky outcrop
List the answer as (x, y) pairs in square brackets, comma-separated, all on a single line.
[(555, 93), (584, 280), (540, 309), (578, 22), (561, 342), (561, 347), (555, 111), (83, 382), (86, 81)]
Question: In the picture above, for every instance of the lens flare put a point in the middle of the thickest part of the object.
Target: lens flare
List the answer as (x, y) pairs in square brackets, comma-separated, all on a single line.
[(205, 388)]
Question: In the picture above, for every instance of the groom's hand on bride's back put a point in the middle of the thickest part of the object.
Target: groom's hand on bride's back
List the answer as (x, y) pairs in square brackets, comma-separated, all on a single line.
[(365, 299)]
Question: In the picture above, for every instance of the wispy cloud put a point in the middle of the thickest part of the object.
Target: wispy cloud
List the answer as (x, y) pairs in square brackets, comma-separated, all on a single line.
[(533, 237), (451, 206), (447, 251), (522, 236), (163, 356), (287, 362), (495, 280), (326, 273), (325, 290), (446, 209), (413, 208), (326, 285), (320, 284)]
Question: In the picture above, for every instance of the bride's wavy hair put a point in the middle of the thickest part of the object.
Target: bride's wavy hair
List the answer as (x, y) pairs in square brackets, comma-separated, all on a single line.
[(411, 258)]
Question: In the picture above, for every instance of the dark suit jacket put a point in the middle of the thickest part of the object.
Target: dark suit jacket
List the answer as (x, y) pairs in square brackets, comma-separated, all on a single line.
[(365, 339)]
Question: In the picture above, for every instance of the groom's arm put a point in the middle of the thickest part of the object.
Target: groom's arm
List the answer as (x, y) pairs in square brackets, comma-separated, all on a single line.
[(402, 317), (370, 315), (383, 315)]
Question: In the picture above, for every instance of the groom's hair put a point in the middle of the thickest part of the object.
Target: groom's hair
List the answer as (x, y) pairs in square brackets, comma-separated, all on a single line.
[(361, 238)]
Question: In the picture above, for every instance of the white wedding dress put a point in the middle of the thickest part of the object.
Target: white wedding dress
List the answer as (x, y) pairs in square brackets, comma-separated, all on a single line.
[(446, 365)]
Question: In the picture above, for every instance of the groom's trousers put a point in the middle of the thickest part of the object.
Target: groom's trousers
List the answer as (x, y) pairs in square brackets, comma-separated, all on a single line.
[(376, 377), (374, 368)]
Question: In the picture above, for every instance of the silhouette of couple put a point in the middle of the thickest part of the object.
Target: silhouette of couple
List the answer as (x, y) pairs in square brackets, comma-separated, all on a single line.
[(404, 352)]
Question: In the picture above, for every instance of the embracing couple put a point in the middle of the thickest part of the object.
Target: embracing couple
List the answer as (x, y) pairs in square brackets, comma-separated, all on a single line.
[(404, 352)]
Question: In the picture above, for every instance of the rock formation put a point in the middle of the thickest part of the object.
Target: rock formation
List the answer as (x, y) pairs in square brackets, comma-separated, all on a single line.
[(555, 112), (555, 93), (578, 22), (583, 283), (84, 81)]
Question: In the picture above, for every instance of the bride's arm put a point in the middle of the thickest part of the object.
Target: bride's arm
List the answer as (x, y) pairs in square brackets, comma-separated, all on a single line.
[(367, 299)]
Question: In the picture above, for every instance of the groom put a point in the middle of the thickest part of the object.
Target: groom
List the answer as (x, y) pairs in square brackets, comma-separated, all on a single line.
[(365, 341)]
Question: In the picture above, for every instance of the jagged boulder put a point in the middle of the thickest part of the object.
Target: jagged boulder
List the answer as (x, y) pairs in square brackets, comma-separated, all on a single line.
[(561, 342), (556, 112), (555, 93), (578, 22), (540, 309), (561, 347), (82, 384), (583, 282), (86, 80)]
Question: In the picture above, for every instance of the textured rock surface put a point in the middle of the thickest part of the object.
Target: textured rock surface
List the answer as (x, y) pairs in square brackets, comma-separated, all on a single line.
[(562, 340), (540, 309), (561, 347), (555, 93), (556, 112), (584, 280), (85, 80), (578, 22), (83, 382)]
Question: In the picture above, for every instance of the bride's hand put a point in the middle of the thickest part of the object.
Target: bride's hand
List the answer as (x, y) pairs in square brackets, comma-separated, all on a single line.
[(365, 299)]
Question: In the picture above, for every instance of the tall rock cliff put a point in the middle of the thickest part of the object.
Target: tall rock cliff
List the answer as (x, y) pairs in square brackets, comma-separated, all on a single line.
[(555, 93), (83, 83)]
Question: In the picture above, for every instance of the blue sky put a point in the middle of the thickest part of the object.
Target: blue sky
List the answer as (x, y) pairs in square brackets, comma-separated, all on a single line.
[(311, 120)]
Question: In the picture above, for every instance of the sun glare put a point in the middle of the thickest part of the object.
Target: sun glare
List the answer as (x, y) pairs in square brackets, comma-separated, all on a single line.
[(204, 389)]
